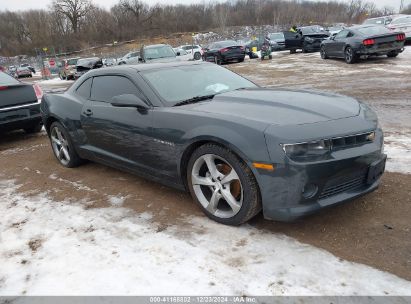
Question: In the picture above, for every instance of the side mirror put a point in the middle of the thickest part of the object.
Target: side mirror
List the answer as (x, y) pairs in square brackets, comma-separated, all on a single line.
[(178, 54), (140, 59), (128, 101)]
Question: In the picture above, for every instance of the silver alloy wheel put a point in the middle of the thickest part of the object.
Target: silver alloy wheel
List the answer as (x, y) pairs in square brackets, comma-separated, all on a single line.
[(348, 54), (217, 186), (60, 146)]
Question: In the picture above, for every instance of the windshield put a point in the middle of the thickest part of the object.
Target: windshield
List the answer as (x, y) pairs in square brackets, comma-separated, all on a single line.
[(311, 29), (159, 52), (402, 20), (277, 36), (203, 79), (374, 30), (375, 21), (72, 61)]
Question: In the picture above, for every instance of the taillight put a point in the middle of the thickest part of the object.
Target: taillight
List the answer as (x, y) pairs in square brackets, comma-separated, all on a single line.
[(400, 37), (38, 91), (369, 42), (2, 88), (224, 50)]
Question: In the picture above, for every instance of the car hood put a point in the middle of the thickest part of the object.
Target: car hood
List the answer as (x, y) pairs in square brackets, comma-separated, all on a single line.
[(280, 107)]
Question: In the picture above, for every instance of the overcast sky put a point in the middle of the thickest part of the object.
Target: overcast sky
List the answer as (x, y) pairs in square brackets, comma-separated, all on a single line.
[(14, 5)]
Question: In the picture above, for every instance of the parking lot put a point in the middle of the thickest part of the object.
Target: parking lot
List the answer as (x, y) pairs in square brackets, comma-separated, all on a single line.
[(374, 230)]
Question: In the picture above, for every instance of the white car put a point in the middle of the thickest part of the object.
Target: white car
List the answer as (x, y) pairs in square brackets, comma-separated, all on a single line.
[(402, 24), (196, 51), (130, 58), (182, 54)]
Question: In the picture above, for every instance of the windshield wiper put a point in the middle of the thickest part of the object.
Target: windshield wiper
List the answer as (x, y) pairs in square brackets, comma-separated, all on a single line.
[(194, 100)]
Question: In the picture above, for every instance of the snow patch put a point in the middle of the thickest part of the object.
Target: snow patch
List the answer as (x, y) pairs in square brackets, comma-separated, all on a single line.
[(54, 81), (398, 150), (54, 248)]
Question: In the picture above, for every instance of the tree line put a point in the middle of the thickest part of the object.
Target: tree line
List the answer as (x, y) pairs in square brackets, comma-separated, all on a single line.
[(69, 25)]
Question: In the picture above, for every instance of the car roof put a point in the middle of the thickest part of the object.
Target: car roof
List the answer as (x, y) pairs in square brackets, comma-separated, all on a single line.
[(361, 26), (145, 67), (154, 45)]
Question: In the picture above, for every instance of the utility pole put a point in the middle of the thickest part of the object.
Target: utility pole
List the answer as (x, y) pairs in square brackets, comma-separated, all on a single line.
[(401, 5)]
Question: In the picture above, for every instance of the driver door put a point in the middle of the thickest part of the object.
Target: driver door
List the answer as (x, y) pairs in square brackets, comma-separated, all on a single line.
[(118, 135)]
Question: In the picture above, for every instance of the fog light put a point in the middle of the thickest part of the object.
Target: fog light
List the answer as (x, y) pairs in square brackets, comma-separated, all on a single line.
[(310, 190)]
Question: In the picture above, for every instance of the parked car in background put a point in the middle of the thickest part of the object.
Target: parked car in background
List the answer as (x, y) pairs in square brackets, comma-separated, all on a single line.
[(385, 20), (86, 64), (333, 30), (130, 58), (196, 51), (277, 41), (312, 36), (236, 147), (402, 24), (2, 68), (109, 62), (23, 72), (224, 51), (26, 65), (19, 105), (157, 53), (67, 68), (183, 54), (363, 41), (256, 43)]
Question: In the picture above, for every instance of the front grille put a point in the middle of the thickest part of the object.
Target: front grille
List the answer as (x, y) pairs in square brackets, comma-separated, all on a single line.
[(351, 184), (350, 141)]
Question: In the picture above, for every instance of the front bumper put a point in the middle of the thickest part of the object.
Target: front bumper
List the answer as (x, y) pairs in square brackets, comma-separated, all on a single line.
[(296, 189)]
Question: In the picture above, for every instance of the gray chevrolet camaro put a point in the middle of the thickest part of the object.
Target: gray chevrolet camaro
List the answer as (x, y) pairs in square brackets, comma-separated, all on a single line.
[(238, 148)]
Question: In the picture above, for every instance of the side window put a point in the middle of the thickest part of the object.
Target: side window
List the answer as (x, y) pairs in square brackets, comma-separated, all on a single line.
[(350, 34), (84, 89), (342, 34), (106, 87)]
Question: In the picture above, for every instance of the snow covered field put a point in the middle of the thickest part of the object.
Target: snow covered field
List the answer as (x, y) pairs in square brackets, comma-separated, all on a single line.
[(55, 248)]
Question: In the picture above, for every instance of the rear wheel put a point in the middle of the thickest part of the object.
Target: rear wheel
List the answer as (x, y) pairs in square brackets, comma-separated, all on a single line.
[(349, 55), (197, 56), (293, 51), (63, 147), (217, 60), (323, 53), (223, 185), (392, 54), (241, 60)]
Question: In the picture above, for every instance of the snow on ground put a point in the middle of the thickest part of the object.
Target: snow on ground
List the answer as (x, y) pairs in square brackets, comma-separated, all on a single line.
[(54, 248), (398, 150)]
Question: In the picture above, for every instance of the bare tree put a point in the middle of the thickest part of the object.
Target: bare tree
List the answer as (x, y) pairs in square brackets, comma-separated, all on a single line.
[(73, 10)]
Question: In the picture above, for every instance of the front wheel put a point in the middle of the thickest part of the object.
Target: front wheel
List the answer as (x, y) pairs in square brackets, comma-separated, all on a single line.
[(323, 53), (63, 147), (349, 55), (223, 185)]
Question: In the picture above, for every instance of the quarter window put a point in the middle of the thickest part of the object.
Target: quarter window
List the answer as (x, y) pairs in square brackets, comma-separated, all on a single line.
[(106, 87), (84, 89), (342, 34)]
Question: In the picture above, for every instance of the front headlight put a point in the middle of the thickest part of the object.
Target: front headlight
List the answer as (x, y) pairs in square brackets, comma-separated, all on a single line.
[(308, 149), (309, 39)]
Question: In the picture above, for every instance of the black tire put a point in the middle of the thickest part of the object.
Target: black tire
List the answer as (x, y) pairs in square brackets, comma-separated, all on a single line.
[(241, 60), (323, 53), (217, 60), (392, 54), (75, 160), (251, 199), (197, 56), (349, 55), (270, 57), (34, 128), (293, 51)]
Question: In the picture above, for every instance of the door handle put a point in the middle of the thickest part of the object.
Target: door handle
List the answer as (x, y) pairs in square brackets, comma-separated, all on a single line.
[(88, 112)]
